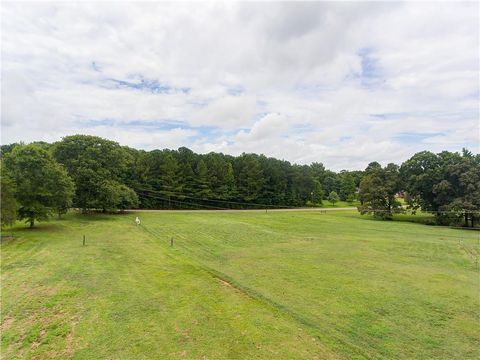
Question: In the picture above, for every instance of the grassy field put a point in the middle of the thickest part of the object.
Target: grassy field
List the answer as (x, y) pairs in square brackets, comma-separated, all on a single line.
[(239, 285), (339, 204)]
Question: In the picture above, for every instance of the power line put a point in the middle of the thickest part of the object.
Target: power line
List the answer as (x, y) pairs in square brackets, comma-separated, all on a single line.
[(180, 194), (184, 202), (265, 205), (212, 200), (458, 212)]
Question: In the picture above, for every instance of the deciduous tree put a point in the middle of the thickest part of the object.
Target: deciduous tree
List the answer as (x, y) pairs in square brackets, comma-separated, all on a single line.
[(378, 189), (333, 197), (96, 165), (42, 185), (446, 184), (8, 203)]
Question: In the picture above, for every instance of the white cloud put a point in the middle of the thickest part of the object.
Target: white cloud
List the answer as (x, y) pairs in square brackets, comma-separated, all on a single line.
[(226, 111), (271, 125), (163, 139), (340, 83)]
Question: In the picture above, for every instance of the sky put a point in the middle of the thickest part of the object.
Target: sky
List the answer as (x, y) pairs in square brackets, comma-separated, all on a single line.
[(342, 83)]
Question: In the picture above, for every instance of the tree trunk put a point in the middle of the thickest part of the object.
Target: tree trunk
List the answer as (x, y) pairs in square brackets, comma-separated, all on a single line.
[(32, 222), (466, 219)]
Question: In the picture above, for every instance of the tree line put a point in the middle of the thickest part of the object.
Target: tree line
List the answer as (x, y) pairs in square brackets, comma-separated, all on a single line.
[(92, 173), (446, 184)]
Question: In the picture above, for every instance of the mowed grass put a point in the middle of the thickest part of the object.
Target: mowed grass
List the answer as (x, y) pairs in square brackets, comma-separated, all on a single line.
[(339, 204), (240, 285)]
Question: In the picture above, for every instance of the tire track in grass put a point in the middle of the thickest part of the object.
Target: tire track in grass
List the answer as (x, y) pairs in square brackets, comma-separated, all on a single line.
[(304, 320), (361, 341), (364, 341), (258, 296), (220, 277), (472, 253)]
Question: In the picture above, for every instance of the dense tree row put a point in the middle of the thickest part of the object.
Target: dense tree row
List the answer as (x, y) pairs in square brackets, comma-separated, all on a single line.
[(89, 172), (446, 184)]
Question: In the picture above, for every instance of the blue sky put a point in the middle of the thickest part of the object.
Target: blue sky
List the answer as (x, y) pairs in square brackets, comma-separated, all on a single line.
[(339, 83)]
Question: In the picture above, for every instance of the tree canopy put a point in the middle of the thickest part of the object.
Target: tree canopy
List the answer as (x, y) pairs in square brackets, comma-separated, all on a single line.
[(446, 184), (378, 189), (110, 177), (8, 202), (98, 167), (333, 197), (42, 186)]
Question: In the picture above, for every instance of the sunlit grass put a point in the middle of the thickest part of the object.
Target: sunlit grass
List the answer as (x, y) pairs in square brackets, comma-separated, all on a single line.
[(280, 285)]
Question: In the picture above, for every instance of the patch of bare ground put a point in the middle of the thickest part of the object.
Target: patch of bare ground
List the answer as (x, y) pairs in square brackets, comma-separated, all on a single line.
[(225, 283), (6, 323), (184, 335), (231, 286), (70, 343)]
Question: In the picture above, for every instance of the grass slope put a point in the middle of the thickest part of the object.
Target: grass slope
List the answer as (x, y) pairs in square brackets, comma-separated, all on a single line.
[(291, 285)]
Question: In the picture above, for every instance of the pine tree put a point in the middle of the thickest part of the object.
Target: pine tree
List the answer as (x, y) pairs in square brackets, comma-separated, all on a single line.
[(250, 178), (227, 189), (202, 181), (347, 187)]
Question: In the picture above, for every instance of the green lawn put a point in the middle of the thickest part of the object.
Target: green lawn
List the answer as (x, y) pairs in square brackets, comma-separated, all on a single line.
[(339, 204), (240, 285)]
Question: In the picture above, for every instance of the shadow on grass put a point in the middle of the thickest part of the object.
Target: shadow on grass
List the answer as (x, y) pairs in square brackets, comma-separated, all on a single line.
[(97, 215), (419, 218), (39, 227), (422, 218)]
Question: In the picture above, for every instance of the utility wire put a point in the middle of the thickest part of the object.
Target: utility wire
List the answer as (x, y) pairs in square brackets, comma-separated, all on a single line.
[(166, 192), (184, 202), (179, 195)]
